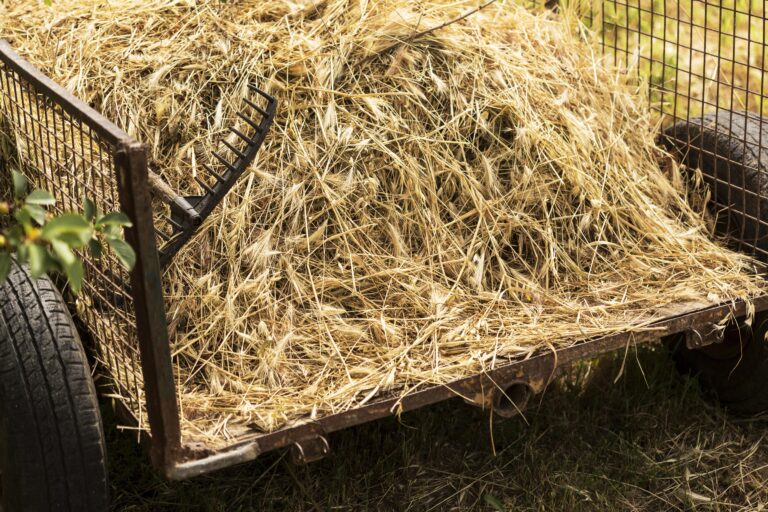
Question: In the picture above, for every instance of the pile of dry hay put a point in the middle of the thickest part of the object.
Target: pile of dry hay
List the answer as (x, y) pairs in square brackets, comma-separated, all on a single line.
[(429, 202)]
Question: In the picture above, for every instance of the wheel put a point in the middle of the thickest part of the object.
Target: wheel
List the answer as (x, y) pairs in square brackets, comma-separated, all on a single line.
[(734, 371), (52, 452), (726, 146)]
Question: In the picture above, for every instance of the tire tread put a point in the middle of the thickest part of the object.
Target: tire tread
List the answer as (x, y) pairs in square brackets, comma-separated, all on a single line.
[(55, 455)]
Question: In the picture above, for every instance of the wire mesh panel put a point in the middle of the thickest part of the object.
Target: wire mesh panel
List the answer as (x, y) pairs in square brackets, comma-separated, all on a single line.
[(74, 158), (704, 63)]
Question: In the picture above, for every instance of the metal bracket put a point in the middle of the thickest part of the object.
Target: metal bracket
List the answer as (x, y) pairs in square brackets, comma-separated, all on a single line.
[(309, 449), (310, 446), (704, 334), (505, 399)]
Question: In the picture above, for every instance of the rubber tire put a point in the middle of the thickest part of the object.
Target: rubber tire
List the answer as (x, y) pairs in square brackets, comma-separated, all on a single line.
[(52, 451), (726, 145), (735, 372)]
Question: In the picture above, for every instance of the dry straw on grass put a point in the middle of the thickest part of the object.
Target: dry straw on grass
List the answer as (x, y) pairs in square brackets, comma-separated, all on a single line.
[(425, 206)]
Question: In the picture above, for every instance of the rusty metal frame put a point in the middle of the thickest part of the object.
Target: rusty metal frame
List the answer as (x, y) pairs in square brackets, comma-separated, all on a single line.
[(147, 290)]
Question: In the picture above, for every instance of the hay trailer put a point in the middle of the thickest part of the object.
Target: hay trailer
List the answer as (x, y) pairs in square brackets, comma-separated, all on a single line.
[(703, 61)]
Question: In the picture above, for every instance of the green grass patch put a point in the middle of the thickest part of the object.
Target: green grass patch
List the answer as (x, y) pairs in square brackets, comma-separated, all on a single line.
[(649, 441)]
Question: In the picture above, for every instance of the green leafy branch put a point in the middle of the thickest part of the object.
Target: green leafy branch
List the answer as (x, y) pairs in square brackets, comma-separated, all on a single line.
[(49, 243)]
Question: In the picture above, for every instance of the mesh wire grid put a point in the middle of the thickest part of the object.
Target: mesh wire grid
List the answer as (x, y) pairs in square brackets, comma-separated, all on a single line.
[(66, 156), (703, 61)]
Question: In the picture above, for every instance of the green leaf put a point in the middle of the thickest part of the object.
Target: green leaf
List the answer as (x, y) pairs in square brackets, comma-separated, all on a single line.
[(48, 2), (494, 502), (71, 228), (37, 260), (5, 266), (114, 219), (70, 264), (40, 197), (95, 247), (19, 184), (89, 209), (111, 231), (35, 212), (75, 273), (123, 251), (63, 253), (23, 216), (21, 254)]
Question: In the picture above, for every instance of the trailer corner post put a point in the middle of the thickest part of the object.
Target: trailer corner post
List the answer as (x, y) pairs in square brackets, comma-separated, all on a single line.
[(147, 293)]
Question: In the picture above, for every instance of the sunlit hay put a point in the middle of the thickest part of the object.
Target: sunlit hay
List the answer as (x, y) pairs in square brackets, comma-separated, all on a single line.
[(427, 205)]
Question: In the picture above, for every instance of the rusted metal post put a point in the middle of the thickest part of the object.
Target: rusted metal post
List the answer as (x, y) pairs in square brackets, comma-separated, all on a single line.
[(147, 292)]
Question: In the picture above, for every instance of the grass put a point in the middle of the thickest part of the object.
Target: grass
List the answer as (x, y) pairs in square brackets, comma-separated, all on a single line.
[(650, 441), (698, 55)]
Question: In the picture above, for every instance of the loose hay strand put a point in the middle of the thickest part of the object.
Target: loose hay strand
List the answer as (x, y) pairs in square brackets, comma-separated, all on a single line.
[(429, 204)]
